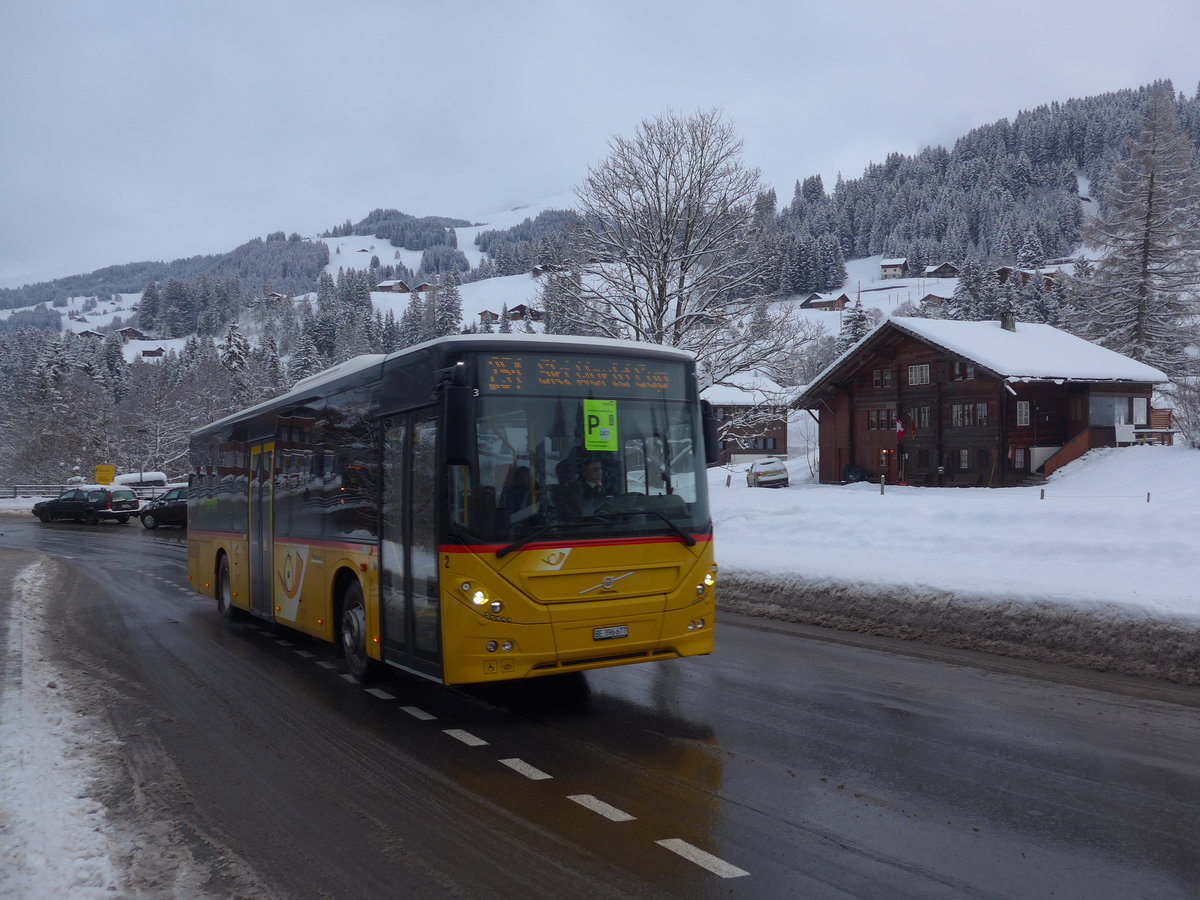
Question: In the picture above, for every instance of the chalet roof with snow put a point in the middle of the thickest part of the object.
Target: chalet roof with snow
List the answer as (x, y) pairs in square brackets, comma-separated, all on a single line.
[(745, 390), (1030, 353)]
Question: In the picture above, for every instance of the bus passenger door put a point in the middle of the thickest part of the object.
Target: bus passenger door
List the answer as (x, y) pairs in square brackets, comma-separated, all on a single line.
[(260, 562), (408, 583)]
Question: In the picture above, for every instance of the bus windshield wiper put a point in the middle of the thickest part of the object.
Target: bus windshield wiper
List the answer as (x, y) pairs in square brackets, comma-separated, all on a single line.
[(684, 537), (527, 539)]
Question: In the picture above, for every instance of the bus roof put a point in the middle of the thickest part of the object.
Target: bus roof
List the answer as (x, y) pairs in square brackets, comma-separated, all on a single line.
[(564, 341), (307, 386)]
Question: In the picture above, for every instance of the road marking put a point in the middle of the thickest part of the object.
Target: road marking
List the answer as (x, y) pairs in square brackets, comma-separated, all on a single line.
[(284, 643), (380, 693), (700, 858), (304, 653), (346, 676), (418, 713), (466, 737), (599, 806), (326, 665), (519, 765)]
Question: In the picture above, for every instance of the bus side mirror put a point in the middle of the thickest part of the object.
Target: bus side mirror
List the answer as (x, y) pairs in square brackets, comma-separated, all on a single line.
[(712, 444), (457, 439)]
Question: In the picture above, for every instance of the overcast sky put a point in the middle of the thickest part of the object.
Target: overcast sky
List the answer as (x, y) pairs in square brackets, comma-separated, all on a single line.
[(143, 129)]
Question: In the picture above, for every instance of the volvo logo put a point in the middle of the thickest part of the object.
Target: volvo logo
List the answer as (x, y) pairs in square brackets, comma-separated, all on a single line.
[(607, 583)]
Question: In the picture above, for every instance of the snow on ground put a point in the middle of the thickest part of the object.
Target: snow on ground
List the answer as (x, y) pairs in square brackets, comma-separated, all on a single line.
[(1093, 544), (47, 768)]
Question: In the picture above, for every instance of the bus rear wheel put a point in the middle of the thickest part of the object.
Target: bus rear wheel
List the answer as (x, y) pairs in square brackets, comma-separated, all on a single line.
[(354, 634), (224, 590)]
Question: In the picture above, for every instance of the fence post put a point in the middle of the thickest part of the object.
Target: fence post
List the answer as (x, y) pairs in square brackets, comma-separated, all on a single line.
[(1043, 497), (728, 479), (1147, 496), (882, 482)]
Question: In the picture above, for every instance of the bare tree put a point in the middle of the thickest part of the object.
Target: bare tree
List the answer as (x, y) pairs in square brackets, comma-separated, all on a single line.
[(665, 251)]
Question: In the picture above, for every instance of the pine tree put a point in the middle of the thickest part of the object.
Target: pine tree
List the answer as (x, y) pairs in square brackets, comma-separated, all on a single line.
[(505, 320), (449, 306), (149, 308), (855, 325), (1143, 289)]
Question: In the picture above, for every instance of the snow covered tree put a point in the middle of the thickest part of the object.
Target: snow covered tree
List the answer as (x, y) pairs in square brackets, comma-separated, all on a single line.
[(665, 225), (149, 308), (1143, 289), (505, 320), (305, 361), (855, 325), (449, 306)]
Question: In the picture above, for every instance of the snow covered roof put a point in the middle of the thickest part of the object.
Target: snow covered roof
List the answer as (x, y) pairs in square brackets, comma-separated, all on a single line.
[(1031, 353), (744, 390), (897, 261)]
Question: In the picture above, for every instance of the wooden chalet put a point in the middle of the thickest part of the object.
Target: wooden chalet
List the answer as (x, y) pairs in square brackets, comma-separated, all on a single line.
[(945, 270), (894, 268), (129, 333), (521, 312), (488, 316), (943, 402), (825, 301), (752, 418), (394, 286)]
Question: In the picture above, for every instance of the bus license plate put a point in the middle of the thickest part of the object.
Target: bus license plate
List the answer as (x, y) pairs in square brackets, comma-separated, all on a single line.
[(612, 631)]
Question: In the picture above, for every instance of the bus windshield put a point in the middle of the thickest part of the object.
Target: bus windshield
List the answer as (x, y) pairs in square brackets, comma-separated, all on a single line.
[(567, 467)]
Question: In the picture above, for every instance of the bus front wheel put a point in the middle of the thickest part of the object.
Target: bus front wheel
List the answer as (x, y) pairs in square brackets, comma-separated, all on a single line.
[(354, 634)]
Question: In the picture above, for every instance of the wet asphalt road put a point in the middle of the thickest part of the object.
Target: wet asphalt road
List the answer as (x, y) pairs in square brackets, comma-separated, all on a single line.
[(794, 762)]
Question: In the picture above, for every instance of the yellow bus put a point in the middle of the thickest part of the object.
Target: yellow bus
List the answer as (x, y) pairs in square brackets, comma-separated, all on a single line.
[(475, 508)]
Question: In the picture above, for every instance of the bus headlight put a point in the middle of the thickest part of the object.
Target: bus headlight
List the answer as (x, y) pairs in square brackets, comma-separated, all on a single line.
[(491, 646), (479, 598), (497, 606), (507, 646), (710, 579)]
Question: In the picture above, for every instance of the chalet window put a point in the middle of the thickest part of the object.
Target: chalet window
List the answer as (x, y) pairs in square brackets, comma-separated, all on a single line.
[(981, 413), (1019, 458), (1022, 412), (763, 443), (964, 459), (918, 374), (962, 415), (1109, 411), (970, 375), (887, 377), (883, 458), (877, 378), (1140, 407), (873, 419), (923, 417)]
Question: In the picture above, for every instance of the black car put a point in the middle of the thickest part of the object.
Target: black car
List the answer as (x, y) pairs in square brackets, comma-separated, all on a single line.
[(89, 503), (167, 509)]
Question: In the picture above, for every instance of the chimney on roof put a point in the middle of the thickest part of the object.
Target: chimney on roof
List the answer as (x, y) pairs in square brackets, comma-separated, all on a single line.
[(1008, 321)]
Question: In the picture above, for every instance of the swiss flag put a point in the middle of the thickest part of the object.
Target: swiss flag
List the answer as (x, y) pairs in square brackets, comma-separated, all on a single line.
[(899, 429)]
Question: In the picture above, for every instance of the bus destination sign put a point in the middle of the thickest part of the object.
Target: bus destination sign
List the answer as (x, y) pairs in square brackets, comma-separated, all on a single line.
[(535, 373)]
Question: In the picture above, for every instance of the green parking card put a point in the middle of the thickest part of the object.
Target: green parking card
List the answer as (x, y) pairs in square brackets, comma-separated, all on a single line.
[(600, 424)]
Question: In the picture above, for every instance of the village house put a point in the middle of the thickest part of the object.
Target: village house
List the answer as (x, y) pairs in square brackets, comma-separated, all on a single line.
[(945, 270), (752, 418), (894, 268), (825, 301), (944, 402), (129, 333), (520, 312), (394, 286)]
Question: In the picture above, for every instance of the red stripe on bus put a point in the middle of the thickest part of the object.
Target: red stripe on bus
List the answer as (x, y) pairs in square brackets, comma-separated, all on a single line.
[(553, 545)]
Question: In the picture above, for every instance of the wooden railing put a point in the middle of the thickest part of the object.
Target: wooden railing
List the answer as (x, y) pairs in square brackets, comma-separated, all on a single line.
[(1068, 452)]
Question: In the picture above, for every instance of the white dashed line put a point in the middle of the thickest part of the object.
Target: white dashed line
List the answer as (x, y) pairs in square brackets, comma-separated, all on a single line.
[(284, 643), (380, 693), (418, 713), (701, 858), (304, 653), (519, 765), (326, 665), (602, 808), (466, 737), (346, 676)]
